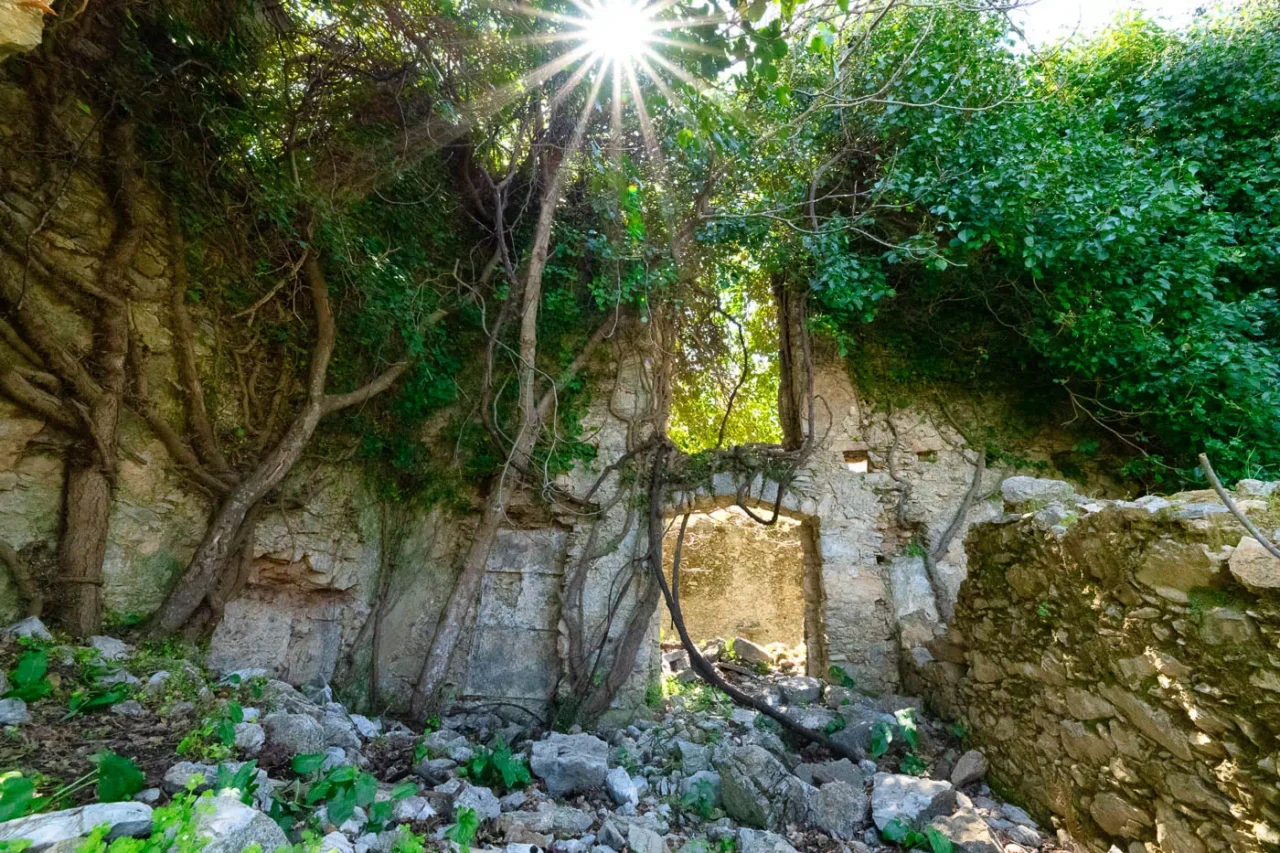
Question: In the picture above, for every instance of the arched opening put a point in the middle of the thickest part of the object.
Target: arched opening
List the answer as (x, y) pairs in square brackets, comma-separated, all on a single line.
[(745, 581)]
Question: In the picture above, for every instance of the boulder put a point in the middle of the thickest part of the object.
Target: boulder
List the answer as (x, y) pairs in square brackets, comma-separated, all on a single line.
[(294, 733), (968, 832), (693, 757), (755, 841), (758, 790), (909, 799), (751, 654), (231, 827), (1253, 565), (838, 809), (621, 789), (566, 821), (46, 830), (970, 768), (569, 763), (1024, 493), (412, 809)]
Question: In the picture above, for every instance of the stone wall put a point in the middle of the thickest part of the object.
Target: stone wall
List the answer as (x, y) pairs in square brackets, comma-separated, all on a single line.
[(739, 578), (1117, 664)]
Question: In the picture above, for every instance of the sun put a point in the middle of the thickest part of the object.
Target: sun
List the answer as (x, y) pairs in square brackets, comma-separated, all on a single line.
[(619, 31)]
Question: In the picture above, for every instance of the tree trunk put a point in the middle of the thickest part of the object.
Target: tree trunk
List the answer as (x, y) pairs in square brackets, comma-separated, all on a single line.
[(223, 535)]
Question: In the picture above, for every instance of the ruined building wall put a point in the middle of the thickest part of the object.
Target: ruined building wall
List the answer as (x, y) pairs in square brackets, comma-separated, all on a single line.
[(1116, 662)]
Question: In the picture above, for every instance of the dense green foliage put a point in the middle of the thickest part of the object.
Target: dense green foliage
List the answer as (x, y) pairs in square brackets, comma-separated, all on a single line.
[(1096, 225)]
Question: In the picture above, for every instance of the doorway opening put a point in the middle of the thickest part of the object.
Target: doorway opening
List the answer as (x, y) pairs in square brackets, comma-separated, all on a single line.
[(741, 580)]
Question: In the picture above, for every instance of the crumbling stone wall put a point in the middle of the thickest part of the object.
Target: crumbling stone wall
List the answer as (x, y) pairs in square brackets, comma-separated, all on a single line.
[(1116, 662)]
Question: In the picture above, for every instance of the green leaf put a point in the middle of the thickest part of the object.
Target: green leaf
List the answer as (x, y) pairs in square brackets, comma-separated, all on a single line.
[(366, 788), (404, 789), (16, 793), (341, 805), (938, 843), (118, 777), (307, 763)]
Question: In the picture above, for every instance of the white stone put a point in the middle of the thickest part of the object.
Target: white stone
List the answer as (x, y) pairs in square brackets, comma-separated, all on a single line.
[(250, 738), (232, 826), (45, 830), (412, 809), (621, 788), (482, 800), (908, 799)]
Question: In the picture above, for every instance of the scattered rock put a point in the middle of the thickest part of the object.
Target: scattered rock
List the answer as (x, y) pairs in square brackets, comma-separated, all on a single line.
[(31, 627), (411, 809), (751, 654), (570, 763), (110, 648), (45, 830), (129, 708), (642, 840), (435, 771), (909, 799), (970, 768), (336, 842), (621, 788), (482, 800), (295, 733), (755, 841), (758, 790), (231, 827), (800, 689), (968, 832), (838, 809), (13, 712), (366, 727), (250, 738)]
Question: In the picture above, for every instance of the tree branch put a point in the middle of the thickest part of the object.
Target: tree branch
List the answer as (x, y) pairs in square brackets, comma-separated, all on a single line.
[(1235, 510)]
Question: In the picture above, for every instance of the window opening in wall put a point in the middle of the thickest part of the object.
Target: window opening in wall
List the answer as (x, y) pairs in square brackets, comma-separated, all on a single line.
[(927, 455), (739, 579), (857, 461)]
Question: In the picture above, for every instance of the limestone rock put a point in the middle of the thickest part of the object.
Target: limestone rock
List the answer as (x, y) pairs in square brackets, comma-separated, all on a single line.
[(110, 648), (1084, 705), (1118, 816), (755, 841), (336, 842), (1253, 565), (13, 712), (570, 763), (232, 826), (1030, 492), (21, 29), (970, 768), (758, 790), (339, 730), (294, 733), (250, 738), (643, 840), (750, 653), (843, 770), (693, 757), (838, 809), (367, 728), (481, 800), (704, 782), (567, 821), (435, 771), (1172, 569), (45, 830), (621, 788), (412, 809), (800, 689), (31, 627), (909, 799), (968, 832)]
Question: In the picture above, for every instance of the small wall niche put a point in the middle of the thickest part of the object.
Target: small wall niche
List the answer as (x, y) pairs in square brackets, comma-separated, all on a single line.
[(858, 461), (927, 455)]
